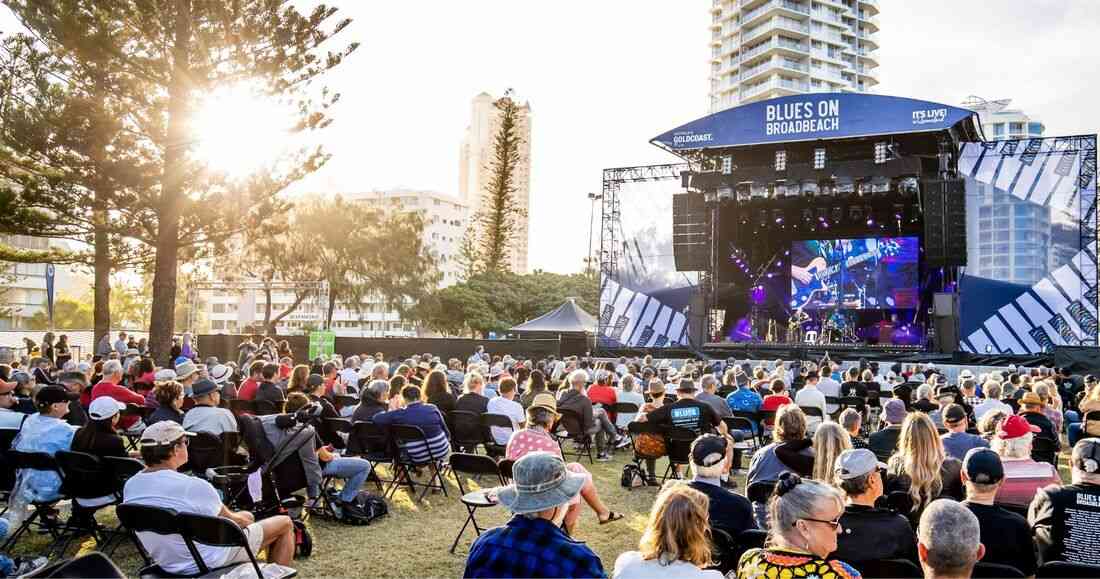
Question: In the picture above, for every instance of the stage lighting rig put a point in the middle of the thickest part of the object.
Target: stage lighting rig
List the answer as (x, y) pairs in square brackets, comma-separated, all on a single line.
[(855, 213), (909, 186), (863, 187), (781, 160), (727, 165), (744, 191), (827, 186), (762, 218), (777, 217), (837, 215), (819, 158), (881, 152)]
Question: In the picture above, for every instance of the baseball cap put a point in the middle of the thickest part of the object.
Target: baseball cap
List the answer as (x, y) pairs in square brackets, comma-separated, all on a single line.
[(708, 450), (104, 407), (545, 401), (54, 394), (854, 463), (1086, 455), (686, 385), (983, 466), (220, 373), (954, 414), (202, 388), (1016, 426), (315, 380), (163, 433)]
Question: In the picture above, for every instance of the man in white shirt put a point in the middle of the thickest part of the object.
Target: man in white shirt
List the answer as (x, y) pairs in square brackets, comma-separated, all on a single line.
[(8, 417), (349, 376), (506, 405), (164, 449), (992, 401), (810, 396), (828, 386)]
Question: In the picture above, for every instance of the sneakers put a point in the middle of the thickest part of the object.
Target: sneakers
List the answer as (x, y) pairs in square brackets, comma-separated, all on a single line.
[(26, 565), (603, 457), (623, 441)]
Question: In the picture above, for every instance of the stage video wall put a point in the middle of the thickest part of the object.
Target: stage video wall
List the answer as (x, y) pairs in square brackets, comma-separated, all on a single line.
[(649, 304), (1031, 279), (855, 274)]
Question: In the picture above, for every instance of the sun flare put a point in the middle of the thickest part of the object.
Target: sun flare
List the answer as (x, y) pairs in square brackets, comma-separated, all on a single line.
[(238, 131)]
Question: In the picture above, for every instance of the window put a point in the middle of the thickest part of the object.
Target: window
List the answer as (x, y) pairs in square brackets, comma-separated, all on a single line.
[(1035, 128), (217, 308), (217, 325), (1015, 128), (998, 129)]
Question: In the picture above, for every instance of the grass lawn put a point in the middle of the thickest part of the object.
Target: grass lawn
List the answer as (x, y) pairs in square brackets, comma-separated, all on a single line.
[(413, 540)]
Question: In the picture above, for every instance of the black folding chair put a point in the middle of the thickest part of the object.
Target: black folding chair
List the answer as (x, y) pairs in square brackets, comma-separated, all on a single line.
[(133, 439), (753, 419), (889, 569), (1067, 570), (83, 477), (474, 465), (678, 442), (1044, 450), (266, 407), (569, 430), (505, 467), (7, 471), (767, 424), (747, 539), (94, 565), (146, 519), (372, 443), (723, 549), (760, 491), (467, 433), (1090, 423), (621, 408), (488, 421), (37, 519), (846, 402), (813, 411), (220, 532), (741, 424), (122, 468), (985, 570), (241, 406), (204, 451), (339, 424), (407, 435)]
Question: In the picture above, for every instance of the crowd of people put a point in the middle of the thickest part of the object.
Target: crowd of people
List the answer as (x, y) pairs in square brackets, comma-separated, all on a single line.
[(850, 464)]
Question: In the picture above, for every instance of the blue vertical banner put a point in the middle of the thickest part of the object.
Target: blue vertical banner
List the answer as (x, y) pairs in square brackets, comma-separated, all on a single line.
[(50, 273)]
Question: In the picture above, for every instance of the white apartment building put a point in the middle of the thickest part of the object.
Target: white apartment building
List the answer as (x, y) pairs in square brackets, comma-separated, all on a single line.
[(233, 307), (25, 283), (762, 49), (1010, 239), (475, 156)]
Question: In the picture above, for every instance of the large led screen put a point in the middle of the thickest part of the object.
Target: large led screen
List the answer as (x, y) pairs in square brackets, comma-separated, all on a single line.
[(855, 274)]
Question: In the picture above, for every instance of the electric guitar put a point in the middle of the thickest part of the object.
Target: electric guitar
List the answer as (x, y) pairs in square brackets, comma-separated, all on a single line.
[(820, 281)]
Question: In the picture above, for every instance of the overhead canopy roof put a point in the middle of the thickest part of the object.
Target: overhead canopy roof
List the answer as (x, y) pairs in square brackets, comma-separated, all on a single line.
[(568, 317), (818, 116)]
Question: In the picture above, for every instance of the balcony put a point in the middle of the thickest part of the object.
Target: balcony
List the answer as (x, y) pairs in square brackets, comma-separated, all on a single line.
[(872, 4), (774, 84), (776, 23)]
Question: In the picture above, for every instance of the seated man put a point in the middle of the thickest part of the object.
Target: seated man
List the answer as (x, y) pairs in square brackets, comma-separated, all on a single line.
[(372, 400), (428, 418), (884, 442), (505, 405), (593, 420), (870, 533), (45, 432), (1064, 518), (532, 543), (1006, 534), (710, 459), (957, 441), (164, 449), (268, 389), (110, 385), (1023, 476), (948, 540), (353, 471), (206, 415)]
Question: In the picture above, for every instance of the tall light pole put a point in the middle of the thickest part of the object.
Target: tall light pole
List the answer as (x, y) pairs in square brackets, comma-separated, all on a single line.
[(592, 198)]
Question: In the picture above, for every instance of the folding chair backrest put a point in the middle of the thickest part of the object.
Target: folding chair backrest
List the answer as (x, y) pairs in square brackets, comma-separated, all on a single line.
[(33, 460), (467, 427), (204, 451), (570, 421), (82, 474), (405, 433), (498, 420), (1053, 569), (370, 438), (216, 532), (738, 423), (1044, 450), (342, 400), (339, 424), (760, 491), (890, 569), (678, 442), (7, 436), (122, 468), (148, 519), (473, 465), (505, 467), (624, 408), (265, 407), (986, 570), (813, 411)]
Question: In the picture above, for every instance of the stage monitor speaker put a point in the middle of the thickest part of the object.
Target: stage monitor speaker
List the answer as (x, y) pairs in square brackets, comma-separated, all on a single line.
[(690, 232)]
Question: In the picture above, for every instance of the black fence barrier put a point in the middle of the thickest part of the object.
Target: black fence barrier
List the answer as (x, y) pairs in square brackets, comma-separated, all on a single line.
[(225, 346)]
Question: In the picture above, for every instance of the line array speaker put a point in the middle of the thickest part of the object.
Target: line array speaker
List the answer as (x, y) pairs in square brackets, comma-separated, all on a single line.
[(690, 232)]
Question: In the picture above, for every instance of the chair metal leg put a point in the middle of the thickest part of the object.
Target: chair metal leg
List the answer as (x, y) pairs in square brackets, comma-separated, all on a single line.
[(469, 518)]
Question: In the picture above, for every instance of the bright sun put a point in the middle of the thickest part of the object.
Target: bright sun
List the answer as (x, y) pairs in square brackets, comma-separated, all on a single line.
[(238, 131)]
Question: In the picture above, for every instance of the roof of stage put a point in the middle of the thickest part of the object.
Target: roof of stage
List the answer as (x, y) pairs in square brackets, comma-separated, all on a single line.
[(819, 116)]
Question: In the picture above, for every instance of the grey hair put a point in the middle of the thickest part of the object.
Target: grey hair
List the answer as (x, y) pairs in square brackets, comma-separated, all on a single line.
[(993, 390), (951, 535), (924, 391), (708, 380), (578, 376), (1019, 447), (352, 362), (712, 471), (850, 418), (627, 383), (112, 367), (804, 501), (379, 389)]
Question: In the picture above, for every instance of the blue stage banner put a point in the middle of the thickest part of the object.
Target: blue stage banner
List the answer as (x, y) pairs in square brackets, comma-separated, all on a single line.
[(1031, 279), (812, 117)]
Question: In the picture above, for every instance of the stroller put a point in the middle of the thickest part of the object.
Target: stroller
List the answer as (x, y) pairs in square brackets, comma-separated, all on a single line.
[(281, 473)]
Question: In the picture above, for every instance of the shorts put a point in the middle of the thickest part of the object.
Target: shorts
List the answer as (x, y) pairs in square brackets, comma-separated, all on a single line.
[(255, 535)]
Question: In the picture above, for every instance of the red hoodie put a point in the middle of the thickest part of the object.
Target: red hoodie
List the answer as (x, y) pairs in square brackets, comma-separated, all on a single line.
[(123, 395)]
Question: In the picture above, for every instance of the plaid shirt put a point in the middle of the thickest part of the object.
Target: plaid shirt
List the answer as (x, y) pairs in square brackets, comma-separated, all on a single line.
[(530, 548)]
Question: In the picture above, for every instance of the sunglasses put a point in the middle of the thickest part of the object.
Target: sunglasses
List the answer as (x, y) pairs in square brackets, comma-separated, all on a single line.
[(834, 523)]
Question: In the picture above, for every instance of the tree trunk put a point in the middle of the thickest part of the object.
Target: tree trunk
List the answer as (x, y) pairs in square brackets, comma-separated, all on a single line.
[(161, 323), (269, 328), (102, 289), (331, 307)]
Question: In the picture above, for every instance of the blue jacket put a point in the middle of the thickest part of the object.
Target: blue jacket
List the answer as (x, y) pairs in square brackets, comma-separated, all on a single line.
[(426, 416)]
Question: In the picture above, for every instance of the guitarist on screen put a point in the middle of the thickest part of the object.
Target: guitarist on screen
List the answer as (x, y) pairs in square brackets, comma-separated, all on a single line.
[(814, 277)]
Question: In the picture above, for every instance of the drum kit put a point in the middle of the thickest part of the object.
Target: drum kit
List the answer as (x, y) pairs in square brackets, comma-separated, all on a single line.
[(835, 329)]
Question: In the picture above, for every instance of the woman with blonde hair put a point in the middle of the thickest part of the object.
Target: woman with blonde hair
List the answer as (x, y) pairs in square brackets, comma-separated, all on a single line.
[(829, 441), (675, 542), (298, 378), (920, 467)]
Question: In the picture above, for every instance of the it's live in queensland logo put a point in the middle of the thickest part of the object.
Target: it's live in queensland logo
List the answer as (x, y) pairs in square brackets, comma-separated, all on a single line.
[(690, 138), (927, 116)]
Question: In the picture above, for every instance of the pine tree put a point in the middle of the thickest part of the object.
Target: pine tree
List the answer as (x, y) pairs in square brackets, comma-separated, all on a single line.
[(500, 213)]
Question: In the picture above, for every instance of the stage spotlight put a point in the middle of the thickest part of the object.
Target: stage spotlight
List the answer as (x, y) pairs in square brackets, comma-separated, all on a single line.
[(807, 216), (909, 186), (827, 187), (863, 187), (819, 158), (777, 216), (762, 218), (744, 192), (880, 185), (810, 189), (880, 152), (837, 215), (780, 160), (855, 213), (822, 214), (727, 165)]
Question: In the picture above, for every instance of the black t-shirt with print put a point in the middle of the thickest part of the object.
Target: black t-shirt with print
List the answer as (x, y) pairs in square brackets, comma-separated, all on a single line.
[(686, 413)]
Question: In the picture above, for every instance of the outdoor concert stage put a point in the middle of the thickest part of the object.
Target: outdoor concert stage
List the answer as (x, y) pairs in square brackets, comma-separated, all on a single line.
[(861, 224)]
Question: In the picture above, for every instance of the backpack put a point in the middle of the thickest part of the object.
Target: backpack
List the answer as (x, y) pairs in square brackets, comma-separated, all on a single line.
[(363, 510), (632, 476)]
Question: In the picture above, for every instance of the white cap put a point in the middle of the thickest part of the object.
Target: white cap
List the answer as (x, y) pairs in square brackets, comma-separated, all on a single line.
[(104, 407)]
